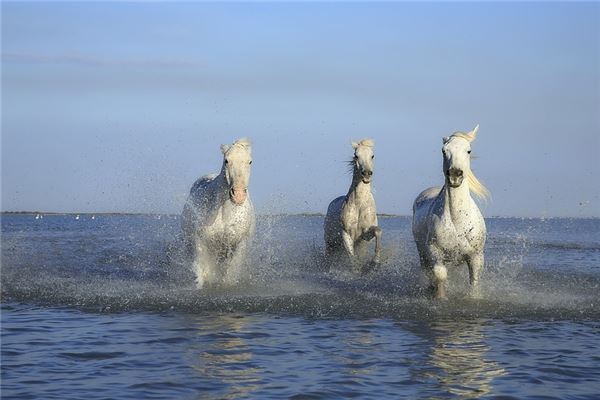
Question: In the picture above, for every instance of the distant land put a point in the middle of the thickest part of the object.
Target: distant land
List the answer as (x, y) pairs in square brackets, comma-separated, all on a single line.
[(382, 215), (77, 213)]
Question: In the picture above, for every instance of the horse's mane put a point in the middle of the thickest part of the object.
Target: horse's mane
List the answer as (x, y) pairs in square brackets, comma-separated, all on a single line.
[(242, 142), (475, 186), (367, 142)]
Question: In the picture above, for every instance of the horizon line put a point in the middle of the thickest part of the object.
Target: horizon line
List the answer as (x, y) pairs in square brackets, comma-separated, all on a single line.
[(305, 214)]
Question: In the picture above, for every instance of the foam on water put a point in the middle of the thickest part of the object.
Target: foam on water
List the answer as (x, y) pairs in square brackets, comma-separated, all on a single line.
[(136, 263)]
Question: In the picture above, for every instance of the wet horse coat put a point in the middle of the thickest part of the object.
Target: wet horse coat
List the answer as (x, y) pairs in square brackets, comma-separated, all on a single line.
[(218, 218), (448, 227), (351, 220)]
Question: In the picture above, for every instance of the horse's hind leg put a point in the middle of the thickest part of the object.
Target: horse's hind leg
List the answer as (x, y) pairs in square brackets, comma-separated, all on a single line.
[(475, 263)]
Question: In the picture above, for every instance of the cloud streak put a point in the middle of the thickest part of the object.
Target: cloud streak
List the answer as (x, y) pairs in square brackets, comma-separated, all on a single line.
[(91, 61)]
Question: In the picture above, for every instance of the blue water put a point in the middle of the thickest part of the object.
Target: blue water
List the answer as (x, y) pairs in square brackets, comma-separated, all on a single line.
[(107, 309)]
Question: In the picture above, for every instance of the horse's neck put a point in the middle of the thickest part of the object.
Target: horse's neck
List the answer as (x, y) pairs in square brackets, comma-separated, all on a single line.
[(359, 191), (456, 202), (219, 190)]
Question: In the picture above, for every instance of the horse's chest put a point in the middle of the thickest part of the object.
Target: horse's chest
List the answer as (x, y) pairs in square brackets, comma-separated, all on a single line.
[(457, 240), (357, 219), (231, 225)]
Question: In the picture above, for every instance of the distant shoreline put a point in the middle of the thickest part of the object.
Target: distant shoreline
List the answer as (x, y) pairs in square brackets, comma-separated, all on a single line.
[(382, 215)]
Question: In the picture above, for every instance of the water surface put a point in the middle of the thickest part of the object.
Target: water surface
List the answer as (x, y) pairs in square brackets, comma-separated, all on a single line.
[(106, 308)]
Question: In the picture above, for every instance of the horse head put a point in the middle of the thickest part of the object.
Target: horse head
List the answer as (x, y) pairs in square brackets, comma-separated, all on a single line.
[(237, 161)]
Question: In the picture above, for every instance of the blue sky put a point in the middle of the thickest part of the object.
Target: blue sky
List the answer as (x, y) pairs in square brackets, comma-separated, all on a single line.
[(121, 106)]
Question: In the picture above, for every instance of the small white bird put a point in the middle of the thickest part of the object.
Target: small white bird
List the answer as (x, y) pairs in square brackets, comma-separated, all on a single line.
[(77, 217)]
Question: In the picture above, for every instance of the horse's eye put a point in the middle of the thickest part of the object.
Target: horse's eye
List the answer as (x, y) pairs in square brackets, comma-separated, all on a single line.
[(469, 151), (372, 157), (250, 162), (226, 161)]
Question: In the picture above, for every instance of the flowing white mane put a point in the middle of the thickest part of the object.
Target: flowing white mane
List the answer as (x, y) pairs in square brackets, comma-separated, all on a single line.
[(242, 143), (475, 186), (364, 142)]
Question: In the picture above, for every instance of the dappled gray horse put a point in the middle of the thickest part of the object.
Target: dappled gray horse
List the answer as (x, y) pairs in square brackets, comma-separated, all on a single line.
[(447, 225), (351, 220), (218, 218)]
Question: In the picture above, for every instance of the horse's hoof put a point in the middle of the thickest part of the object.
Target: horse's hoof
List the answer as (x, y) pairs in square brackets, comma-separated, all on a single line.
[(440, 295), (369, 267)]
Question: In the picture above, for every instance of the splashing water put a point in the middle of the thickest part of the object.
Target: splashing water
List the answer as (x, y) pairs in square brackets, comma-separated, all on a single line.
[(534, 269)]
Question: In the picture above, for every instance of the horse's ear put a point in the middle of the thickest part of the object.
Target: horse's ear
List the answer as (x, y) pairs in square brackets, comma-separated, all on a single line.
[(445, 139), (354, 145), (224, 148), (473, 133)]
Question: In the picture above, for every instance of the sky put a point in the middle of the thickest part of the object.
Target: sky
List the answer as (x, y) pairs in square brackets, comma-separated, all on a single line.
[(119, 107)]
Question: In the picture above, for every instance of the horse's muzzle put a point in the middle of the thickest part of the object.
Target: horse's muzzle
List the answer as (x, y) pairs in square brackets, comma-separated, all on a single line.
[(455, 177), (367, 176), (238, 195)]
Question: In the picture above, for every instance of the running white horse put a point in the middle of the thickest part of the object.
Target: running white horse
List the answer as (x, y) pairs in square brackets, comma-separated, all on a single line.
[(218, 218), (351, 220), (447, 224)]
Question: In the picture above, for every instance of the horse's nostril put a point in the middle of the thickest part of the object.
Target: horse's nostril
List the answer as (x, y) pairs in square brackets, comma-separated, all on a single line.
[(455, 172), (234, 192)]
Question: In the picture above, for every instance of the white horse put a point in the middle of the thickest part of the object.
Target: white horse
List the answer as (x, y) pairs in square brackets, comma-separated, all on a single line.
[(351, 220), (218, 218), (447, 224)]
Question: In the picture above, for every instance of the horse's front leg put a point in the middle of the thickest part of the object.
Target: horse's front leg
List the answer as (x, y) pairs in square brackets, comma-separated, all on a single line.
[(475, 263), (440, 275), (439, 272), (348, 243), (374, 232), (203, 265), (353, 250), (235, 262)]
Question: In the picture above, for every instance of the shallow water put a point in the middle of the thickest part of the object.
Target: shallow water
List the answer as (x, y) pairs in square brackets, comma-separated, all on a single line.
[(106, 308)]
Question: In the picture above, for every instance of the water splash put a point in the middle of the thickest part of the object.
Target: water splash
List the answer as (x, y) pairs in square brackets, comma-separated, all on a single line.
[(139, 264)]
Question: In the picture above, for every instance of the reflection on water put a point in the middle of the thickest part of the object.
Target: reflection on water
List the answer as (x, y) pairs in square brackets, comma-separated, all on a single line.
[(108, 310), (226, 357), (456, 360), (357, 354)]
